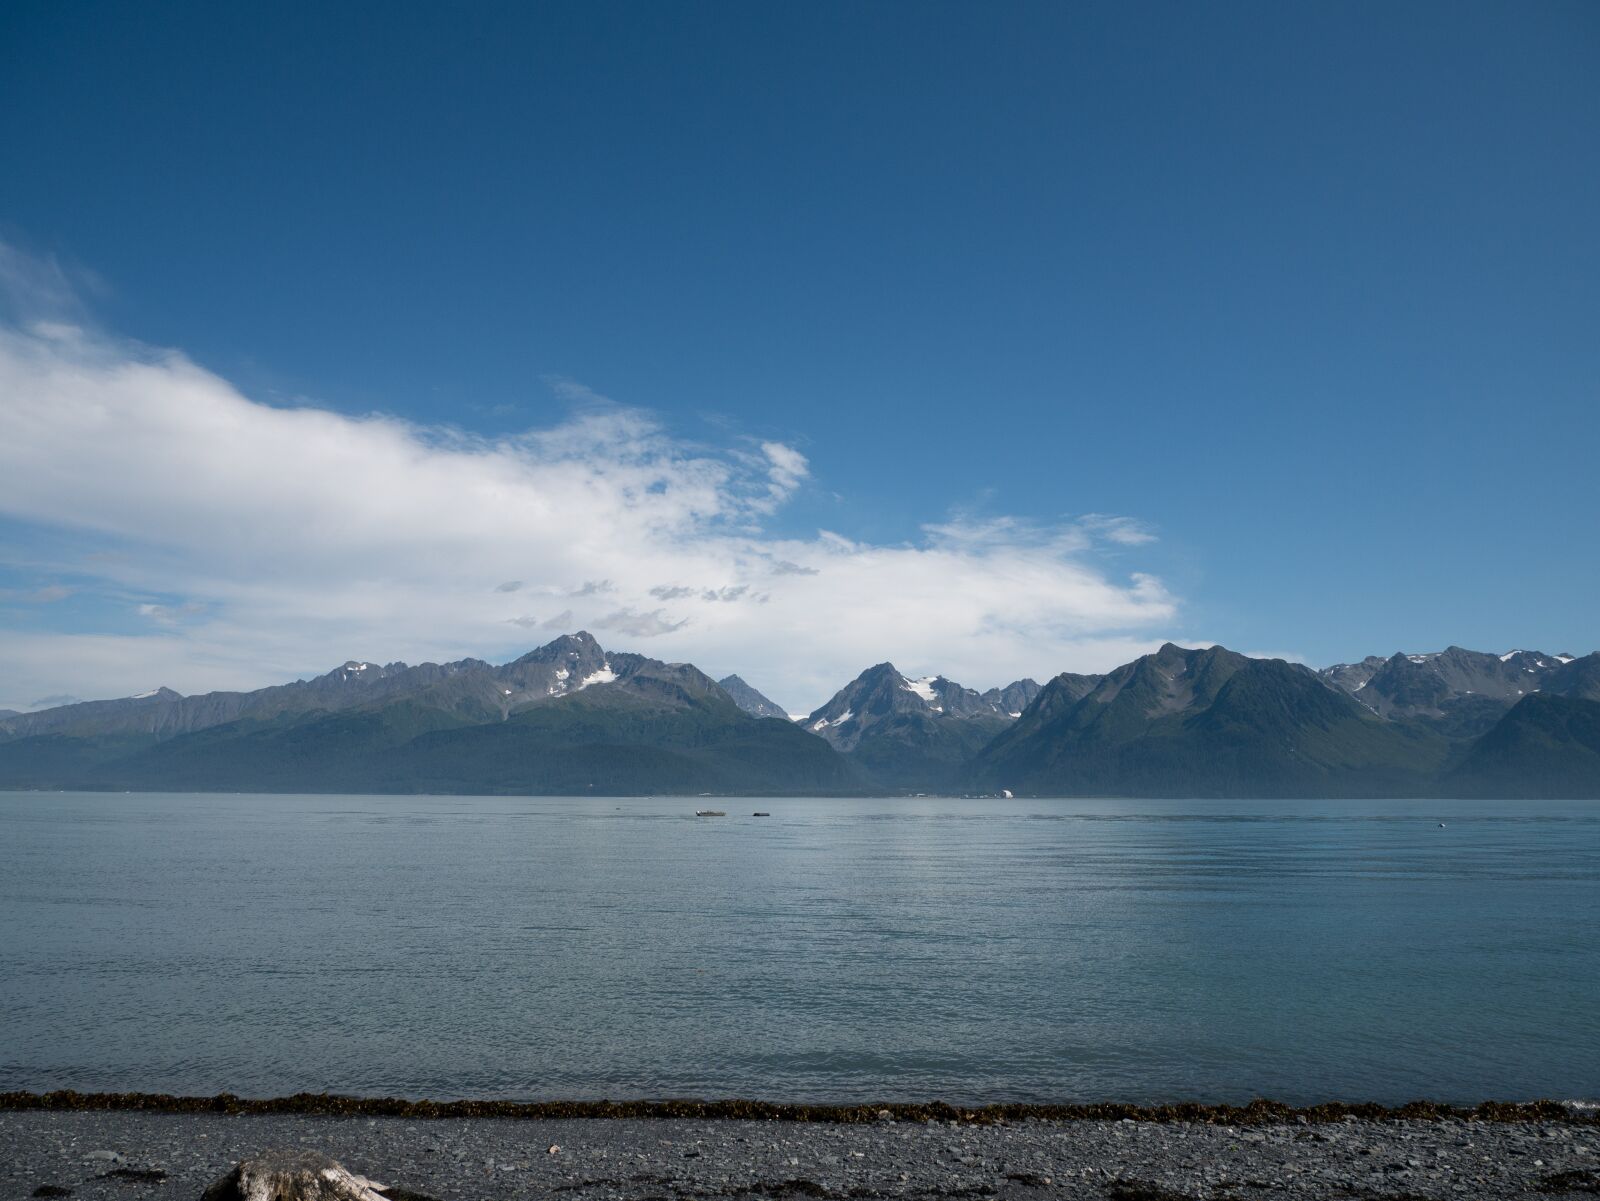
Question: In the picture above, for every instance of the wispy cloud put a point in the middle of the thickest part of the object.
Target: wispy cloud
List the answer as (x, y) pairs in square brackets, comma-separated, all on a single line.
[(1124, 531), (46, 595), (50, 702), (284, 540), (639, 625), (170, 615)]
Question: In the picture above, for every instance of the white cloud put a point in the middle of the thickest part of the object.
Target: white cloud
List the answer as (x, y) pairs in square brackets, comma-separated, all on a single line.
[(1124, 531), (787, 469), (273, 542), (169, 615)]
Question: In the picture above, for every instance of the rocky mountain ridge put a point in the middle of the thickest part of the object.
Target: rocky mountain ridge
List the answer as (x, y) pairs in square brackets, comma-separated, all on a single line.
[(882, 692), (571, 716), (748, 699), (1411, 684), (914, 733), (471, 687), (1211, 722)]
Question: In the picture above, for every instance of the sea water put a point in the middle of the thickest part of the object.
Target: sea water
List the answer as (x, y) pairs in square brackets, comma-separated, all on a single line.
[(865, 949)]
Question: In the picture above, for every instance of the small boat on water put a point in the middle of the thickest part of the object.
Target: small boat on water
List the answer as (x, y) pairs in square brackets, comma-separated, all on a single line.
[(709, 813), (760, 813)]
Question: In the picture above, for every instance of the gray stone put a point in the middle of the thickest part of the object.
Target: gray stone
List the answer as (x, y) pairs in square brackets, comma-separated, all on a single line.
[(292, 1176)]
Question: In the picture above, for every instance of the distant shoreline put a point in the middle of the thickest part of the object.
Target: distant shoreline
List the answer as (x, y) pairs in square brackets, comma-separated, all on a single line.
[(1255, 1113), (814, 795)]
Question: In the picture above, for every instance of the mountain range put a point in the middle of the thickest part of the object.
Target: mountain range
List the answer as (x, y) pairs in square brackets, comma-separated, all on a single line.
[(573, 718), (919, 734)]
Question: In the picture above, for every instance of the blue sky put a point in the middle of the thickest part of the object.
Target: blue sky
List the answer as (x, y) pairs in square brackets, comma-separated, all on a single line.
[(1309, 295)]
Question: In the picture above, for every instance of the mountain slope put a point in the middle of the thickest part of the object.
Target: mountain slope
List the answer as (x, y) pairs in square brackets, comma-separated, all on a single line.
[(748, 699), (1061, 693), (1206, 723), (1547, 746), (1576, 677)]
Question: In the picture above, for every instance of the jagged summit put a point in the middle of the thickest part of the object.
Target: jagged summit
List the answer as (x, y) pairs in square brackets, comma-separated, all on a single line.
[(360, 672), (748, 699), (1468, 689), (567, 645), (914, 731), (882, 689)]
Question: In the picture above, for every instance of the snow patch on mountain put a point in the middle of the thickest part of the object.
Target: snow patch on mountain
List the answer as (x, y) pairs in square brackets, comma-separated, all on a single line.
[(604, 676)]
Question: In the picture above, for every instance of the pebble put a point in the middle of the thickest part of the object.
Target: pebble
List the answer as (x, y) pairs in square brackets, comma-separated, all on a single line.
[(173, 1157)]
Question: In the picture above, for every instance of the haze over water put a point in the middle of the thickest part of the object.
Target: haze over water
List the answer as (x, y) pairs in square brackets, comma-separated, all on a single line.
[(838, 950)]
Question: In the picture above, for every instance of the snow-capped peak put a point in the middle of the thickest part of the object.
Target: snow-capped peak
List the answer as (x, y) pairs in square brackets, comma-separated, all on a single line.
[(922, 687)]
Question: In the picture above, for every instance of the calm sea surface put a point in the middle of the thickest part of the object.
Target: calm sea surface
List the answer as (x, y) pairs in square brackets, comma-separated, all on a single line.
[(839, 949)]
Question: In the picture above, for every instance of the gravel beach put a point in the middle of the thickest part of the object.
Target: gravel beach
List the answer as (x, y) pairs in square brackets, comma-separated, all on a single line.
[(133, 1156)]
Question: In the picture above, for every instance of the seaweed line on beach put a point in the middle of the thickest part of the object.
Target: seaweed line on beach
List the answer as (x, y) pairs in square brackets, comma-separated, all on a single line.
[(1255, 1113)]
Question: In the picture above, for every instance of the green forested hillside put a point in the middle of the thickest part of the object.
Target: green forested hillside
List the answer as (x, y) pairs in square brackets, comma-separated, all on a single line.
[(1210, 723), (1547, 746)]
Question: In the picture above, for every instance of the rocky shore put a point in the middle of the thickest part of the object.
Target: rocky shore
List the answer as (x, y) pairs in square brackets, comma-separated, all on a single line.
[(130, 1155)]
